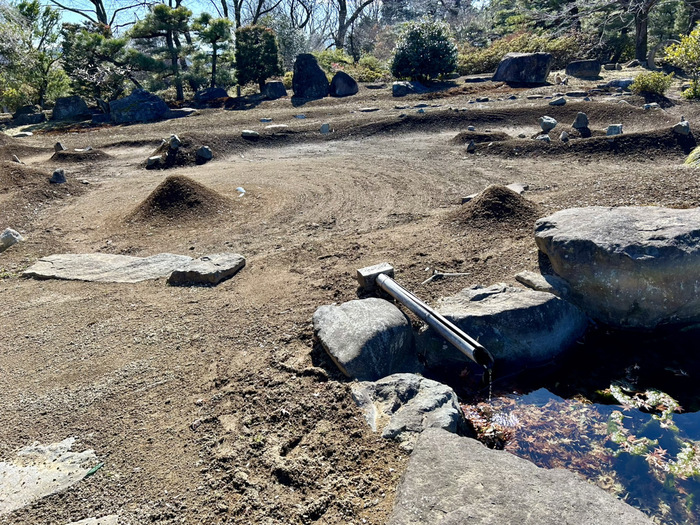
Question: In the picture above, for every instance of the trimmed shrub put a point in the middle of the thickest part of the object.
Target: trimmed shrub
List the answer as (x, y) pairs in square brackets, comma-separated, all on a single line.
[(424, 50), (287, 80), (256, 55), (652, 82)]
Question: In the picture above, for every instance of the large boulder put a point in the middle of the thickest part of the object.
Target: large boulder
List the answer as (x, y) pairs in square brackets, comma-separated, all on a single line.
[(524, 68), (402, 88), (583, 69), (343, 85), (70, 108), (27, 115), (367, 339), (453, 480), (518, 327), (140, 106), (401, 406), (204, 97), (309, 80), (274, 90), (629, 267)]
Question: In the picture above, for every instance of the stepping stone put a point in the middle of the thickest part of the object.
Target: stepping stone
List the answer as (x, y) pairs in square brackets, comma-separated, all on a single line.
[(208, 271)]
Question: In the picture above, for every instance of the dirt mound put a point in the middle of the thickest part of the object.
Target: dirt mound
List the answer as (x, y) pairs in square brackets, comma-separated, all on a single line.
[(71, 156), (180, 197), (497, 204), (465, 137)]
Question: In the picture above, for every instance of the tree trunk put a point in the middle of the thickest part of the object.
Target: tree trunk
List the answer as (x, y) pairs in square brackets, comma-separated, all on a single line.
[(342, 24), (213, 65), (641, 26), (180, 93)]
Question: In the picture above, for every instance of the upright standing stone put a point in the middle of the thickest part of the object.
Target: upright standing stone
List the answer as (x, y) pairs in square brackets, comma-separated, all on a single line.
[(274, 90), (309, 80), (140, 106), (581, 121), (525, 68), (583, 69), (58, 177), (70, 108), (343, 85)]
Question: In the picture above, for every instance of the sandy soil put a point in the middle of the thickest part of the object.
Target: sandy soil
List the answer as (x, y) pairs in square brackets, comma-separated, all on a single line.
[(212, 405)]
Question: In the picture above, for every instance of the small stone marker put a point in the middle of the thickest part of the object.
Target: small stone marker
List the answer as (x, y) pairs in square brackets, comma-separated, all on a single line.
[(277, 128), (564, 137), (471, 128), (154, 162), (543, 138), (368, 110), (471, 147), (581, 121), (300, 116), (174, 142), (58, 177), (682, 128), (204, 154), (250, 134), (482, 99), (421, 110), (558, 102), (59, 147), (547, 123), (8, 238), (534, 97), (614, 129), (265, 120), (325, 128)]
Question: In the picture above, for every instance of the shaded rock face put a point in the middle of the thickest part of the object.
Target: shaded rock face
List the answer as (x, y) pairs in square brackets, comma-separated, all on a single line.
[(628, 267), (205, 96), (343, 85), (367, 339), (453, 480), (583, 69), (27, 115), (8, 238), (403, 88), (309, 80), (401, 406), (518, 327), (274, 90), (140, 106), (70, 108), (525, 68)]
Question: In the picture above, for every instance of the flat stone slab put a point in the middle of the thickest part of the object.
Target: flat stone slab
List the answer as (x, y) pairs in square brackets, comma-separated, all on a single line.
[(38, 471), (106, 268), (367, 338), (112, 519), (209, 270), (453, 480), (401, 406), (628, 267)]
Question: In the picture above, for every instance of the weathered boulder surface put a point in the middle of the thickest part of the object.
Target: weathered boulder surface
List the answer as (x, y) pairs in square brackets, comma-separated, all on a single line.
[(140, 106), (367, 339), (309, 80), (274, 90), (453, 480), (8, 238), (209, 270), (401, 406), (518, 327), (403, 88), (343, 85), (583, 69), (106, 267), (525, 68), (204, 97), (70, 108), (27, 115), (629, 267)]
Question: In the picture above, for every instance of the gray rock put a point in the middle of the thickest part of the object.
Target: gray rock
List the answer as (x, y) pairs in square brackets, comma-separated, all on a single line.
[(179, 113), (583, 69), (653, 105), (471, 147), (265, 120), (22, 134), (27, 115), (343, 85), (59, 147), (633, 63), (564, 136), (325, 128), (403, 88), (309, 80), (482, 99), (58, 177), (204, 97), (471, 128), (208, 271), (561, 101), (611, 67), (15, 158), (250, 134), (614, 129), (174, 142), (401, 406), (367, 339), (453, 480), (112, 519), (70, 108), (278, 128), (368, 109), (682, 128), (518, 327), (581, 121), (204, 154), (106, 268), (622, 83), (544, 283), (154, 162), (543, 138), (140, 106), (576, 94), (534, 97), (629, 267), (274, 90), (8, 238), (528, 68), (547, 123)]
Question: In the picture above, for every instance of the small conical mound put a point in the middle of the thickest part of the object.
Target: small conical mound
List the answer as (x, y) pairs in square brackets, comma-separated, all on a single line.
[(180, 197), (497, 204)]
